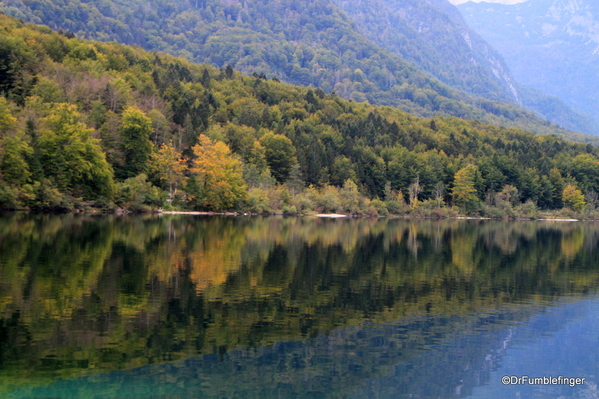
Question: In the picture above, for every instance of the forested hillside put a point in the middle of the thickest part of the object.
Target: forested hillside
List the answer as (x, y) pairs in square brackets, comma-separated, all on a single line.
[(101, 124), (297, 42)]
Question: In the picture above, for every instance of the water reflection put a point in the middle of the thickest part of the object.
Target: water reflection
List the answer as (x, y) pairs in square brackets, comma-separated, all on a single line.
[(459, 356), (320, 307)]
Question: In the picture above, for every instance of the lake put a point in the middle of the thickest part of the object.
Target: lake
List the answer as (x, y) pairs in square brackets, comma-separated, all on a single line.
[(188, 306)]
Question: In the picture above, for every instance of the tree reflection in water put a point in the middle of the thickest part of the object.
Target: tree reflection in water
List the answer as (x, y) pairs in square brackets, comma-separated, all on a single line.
[(347, 300)]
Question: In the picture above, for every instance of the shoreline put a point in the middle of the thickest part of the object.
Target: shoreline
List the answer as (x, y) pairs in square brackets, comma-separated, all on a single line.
[(340, 216), (318, 215)]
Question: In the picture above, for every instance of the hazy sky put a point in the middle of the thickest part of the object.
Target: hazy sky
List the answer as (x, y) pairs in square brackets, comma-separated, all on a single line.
[(488, 1)]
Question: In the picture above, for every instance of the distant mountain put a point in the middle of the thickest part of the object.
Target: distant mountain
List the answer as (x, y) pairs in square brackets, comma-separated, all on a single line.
[(331, 44), (551, 45), (432, 35)]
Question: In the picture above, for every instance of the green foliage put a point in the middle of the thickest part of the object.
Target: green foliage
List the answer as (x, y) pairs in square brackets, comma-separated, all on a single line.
[(7, 121), (433, 40), (297, 149), (136, 132), (139, 195), (527, 210), (280, 155), (17, 64), (8, 198), (258, 201), (71, 158), (46, 197), (14, 149), (314, 43), (13, 160)]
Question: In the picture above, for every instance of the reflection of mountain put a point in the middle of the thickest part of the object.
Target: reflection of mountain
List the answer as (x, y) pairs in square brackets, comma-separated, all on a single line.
[(82, 294), (459, 353)]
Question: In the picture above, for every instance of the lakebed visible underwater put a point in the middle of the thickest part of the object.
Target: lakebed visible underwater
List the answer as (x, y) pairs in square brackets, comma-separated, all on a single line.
[(178, 306)]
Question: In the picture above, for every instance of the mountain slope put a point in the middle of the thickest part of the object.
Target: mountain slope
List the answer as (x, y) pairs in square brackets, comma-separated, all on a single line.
[(432, 36), (298, 42), (551, 45)]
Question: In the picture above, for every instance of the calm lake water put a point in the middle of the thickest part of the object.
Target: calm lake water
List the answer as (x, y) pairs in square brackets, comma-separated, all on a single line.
[(180, 306)]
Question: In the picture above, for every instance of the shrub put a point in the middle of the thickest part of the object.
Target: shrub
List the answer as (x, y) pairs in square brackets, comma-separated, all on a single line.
[(380, 207), (257, 200), (527, 210), (304, 203), (139, 195), (49, 198), (328, 199), (8, 198)]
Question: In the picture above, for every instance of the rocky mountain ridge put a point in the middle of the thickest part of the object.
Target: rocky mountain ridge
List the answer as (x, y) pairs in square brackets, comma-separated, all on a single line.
[(433, 36), (551, 45)]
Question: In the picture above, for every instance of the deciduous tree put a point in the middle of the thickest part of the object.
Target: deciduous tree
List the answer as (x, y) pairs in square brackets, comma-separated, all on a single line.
[(280, 155), (169, 166), (71, 158), (573, 198), (464, 192), (218, 173), (136, 129)]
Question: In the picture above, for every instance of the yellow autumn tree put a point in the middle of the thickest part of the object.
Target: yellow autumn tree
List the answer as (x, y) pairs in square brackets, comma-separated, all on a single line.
[(218, 174), (464, 192), (573, 198), (169, 166)]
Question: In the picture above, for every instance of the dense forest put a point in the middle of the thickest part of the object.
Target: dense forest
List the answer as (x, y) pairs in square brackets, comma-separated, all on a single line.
[(92, 124), (306, 43)]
